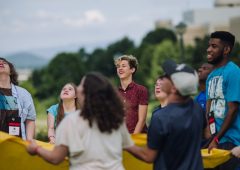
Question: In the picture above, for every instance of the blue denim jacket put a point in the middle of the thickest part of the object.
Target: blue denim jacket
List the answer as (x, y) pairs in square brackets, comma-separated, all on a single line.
[(25, 106)]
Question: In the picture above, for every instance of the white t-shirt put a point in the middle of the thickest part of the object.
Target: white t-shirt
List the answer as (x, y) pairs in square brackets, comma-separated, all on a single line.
[(89, 148)]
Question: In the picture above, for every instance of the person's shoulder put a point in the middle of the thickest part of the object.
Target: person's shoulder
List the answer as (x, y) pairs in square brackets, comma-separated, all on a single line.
[(140, 87), (55, 106), (232, 66), (231, 69), (160, 113), (160, 118), (73, 117), (21, 90), (196, 105)]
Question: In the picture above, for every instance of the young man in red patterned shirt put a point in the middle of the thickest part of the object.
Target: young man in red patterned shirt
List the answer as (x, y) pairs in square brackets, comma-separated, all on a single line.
[(135, 95)]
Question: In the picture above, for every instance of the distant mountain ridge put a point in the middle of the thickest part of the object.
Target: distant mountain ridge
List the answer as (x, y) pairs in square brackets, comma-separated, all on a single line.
[(26, 60)]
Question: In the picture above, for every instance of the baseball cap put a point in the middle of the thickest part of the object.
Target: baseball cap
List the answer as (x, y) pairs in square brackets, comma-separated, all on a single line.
[(184, 78)]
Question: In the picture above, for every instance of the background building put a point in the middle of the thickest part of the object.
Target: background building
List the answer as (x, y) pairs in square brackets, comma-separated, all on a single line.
[(224, 16)]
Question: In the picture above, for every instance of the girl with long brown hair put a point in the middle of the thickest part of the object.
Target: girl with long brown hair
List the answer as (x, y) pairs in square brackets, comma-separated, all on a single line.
[(94, 137), (68, 104)]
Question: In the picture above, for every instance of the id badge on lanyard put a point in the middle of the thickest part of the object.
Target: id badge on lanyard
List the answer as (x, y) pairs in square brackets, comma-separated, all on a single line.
[(212, 124), (14, 126)]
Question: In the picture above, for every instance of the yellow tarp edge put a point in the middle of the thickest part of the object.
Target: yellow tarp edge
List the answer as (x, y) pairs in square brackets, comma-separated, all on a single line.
[(14, 156)]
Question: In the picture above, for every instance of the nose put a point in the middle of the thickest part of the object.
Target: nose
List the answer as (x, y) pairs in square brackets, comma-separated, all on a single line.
[(199, 69), (208, 49), (65, 90), (120, 67)]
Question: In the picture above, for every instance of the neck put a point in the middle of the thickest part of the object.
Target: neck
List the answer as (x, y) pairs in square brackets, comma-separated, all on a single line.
[(5, 81), (163, 103), (175, 98), (222, 63), (125, 82), (69, 105), (202, 85)]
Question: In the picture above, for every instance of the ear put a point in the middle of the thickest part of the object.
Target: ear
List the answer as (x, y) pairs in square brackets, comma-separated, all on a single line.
[(174, 90), (133, 70), (227, 50)]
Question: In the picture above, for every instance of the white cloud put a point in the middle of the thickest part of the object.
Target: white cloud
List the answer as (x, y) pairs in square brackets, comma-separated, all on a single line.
[(90, 17), (94, 16), (26, 23)]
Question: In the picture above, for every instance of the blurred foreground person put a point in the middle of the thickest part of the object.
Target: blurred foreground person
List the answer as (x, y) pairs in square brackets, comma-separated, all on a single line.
[(94, 137), (69, 103), (17, 111), (175, 131)]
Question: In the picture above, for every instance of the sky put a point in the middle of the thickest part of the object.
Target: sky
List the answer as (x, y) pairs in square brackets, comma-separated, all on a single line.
[(28, 25)]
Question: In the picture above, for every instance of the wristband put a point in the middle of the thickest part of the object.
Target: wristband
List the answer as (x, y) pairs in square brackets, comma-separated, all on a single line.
[(216, 139)]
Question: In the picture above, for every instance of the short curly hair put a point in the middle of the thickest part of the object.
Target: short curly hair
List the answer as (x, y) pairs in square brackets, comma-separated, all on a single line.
[(132, 61), (102, 103), (13, 72)]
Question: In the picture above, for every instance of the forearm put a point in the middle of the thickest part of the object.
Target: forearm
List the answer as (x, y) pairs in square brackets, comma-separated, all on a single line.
[(30, 129), (142, 114), (54, 156), (206, 132), (140, 125), (51, 131), (143, 153), (229, 119), (49, 156), (51, 135), (225, 126)]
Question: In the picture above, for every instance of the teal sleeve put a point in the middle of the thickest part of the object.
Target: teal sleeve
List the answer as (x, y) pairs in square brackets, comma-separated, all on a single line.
[(53, 110)]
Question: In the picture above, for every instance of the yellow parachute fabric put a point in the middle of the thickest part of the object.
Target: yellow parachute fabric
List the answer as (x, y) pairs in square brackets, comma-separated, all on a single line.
[(215, 157), (132, 163), (13, 156)]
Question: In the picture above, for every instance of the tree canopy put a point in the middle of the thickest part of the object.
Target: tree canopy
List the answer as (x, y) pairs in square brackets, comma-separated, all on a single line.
[(155, 47)]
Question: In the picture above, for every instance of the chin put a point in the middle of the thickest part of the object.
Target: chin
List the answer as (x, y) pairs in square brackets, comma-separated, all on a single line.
[(122, 77)]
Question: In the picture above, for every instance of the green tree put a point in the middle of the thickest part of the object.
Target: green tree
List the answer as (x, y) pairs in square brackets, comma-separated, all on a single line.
[(199, 54), (235, 55), (65, 67), (94, 62), (102, 60), (155, 37), (152, 59), (159, 35)]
